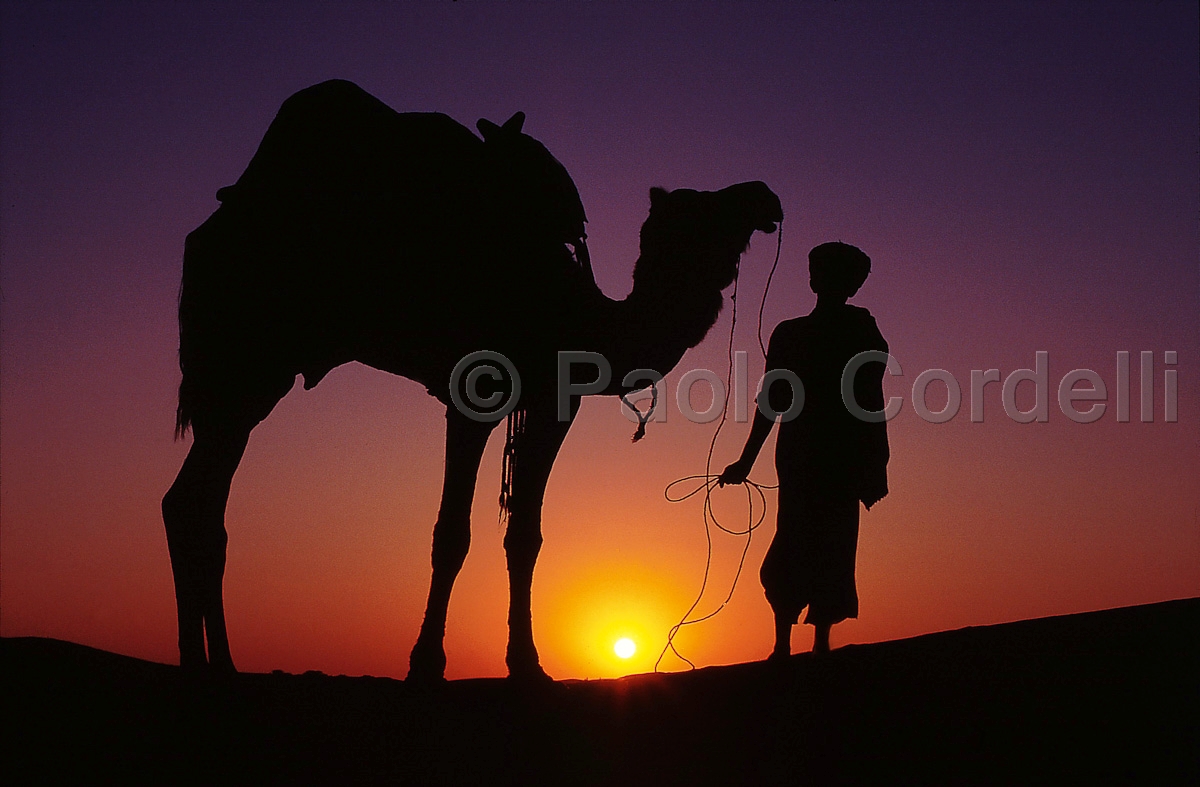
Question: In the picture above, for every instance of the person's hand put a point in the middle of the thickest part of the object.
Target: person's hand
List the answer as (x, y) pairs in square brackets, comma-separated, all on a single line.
[(736, 473)]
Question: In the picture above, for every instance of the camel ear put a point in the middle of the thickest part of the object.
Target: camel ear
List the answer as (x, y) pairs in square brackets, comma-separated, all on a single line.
[(657, 197), (487, 128), (514, 123)]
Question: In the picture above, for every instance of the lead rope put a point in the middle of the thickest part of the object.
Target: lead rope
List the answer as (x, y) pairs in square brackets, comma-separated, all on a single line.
[(709, 482), (642, 417)]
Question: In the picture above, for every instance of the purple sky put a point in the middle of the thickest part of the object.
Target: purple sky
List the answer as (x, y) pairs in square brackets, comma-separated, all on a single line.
[(1024, 176)]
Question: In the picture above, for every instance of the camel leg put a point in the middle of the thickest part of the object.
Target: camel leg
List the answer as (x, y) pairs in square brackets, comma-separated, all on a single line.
[(465, 441), (194, 515), (536, 451)]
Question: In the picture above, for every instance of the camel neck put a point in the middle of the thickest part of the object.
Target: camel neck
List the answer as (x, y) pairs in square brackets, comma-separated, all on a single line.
[(657, 324)]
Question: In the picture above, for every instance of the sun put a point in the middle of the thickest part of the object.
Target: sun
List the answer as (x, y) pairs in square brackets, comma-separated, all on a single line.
[(624, 647)]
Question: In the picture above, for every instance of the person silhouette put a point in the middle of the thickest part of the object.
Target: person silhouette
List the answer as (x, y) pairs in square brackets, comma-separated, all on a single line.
[(827, 459)]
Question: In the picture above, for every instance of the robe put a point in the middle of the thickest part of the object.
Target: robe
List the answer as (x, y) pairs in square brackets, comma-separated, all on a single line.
[(827, 461)]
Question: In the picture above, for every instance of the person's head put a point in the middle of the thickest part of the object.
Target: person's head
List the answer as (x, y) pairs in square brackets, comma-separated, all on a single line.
[(836, 270)]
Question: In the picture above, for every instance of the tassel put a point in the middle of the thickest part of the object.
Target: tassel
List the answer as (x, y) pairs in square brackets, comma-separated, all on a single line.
[(642, 419), (515, 427)]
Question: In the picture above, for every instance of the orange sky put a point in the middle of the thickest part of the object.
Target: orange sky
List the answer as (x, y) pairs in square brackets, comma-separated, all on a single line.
[(1041, 197)]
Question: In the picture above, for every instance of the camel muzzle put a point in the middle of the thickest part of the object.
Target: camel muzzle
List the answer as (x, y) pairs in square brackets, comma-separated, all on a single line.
[(760, 205)]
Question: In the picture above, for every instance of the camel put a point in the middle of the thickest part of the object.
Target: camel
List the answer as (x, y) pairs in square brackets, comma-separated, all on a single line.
[(404, 242)]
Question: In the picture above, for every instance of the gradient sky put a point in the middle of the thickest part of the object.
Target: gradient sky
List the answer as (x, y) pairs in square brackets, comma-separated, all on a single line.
[(1024, 176)]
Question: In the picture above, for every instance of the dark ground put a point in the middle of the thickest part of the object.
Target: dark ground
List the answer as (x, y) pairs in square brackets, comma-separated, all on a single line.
[(1102, 697)]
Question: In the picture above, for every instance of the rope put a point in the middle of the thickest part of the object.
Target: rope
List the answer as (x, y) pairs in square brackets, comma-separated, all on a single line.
[(644, 418), (767, 289), (710, 518), (709, 482)]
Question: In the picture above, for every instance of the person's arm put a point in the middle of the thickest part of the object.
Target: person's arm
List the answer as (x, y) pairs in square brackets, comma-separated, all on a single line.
[(737, 472), (780, 400)]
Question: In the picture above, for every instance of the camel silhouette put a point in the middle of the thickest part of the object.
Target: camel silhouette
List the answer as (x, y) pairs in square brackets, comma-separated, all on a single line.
[(404, 242)]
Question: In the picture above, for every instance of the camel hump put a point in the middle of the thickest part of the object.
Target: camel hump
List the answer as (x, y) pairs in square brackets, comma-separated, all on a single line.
[(334, 140), (335, 147)]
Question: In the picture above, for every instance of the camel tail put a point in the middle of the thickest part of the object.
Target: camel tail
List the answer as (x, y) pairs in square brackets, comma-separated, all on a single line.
[(185, 406), (183, 415), (234, 329), (200, 294)]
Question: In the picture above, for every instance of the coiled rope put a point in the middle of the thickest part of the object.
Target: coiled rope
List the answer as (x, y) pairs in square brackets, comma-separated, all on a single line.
[(708, 481)]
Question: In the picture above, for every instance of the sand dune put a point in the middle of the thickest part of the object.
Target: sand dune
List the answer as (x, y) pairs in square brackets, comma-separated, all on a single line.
[(1108, 697)]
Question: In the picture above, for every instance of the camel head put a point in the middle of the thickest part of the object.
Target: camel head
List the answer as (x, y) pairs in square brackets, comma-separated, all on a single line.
[(533, 190), (699, 236)]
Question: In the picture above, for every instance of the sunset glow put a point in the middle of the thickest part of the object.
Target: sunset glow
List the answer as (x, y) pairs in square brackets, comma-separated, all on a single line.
[(1023, 176)]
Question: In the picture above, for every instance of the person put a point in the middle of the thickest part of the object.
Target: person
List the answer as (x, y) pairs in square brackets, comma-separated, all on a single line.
[(827, 459)]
